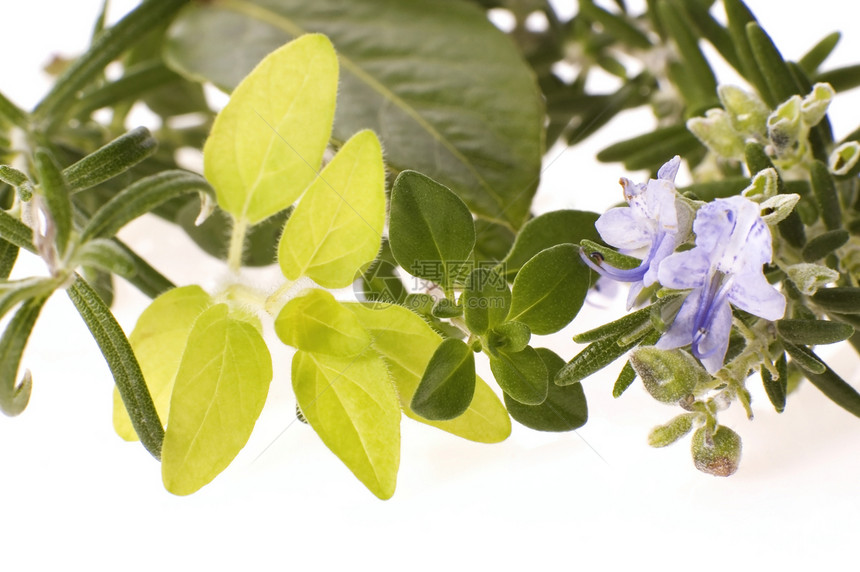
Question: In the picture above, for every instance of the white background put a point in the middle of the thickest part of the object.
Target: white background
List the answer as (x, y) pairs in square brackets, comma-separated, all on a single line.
[(73, 494)]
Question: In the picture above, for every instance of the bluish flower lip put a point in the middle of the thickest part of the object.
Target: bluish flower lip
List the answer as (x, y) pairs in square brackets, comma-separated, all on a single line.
[(624, 275), (710, 300)]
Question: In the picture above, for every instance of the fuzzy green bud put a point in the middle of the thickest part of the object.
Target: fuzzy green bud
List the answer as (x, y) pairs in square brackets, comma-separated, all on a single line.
[(676, 428), (776, 209), (715, 131), (784, 126), (845, 159), (668, 375), (717, 453), (747, 112), (763, 186), (814, 106)]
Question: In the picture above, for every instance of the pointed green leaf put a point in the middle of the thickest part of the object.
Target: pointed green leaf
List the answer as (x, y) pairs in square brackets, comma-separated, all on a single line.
[(549, 289), (824, 244), (564, 409), (522, 375), (430, 229), (776, 389), (777, 75), (813, 332), (826, 195), (598, 355), (845, 300), (624, 380), (448, 384), (812, 59), (123, 364), (56, 194), (352, 405), (803, 357), (486, 300), (159, 339), (219, 391), (622, 326), (116, 157), (834, 387), (337, 227), (739, 16), (317, 323), (546, 231), (15, 395), (13, 292), (267, 144), (8, 257), (470, 116), (106, 255), (406, 342)]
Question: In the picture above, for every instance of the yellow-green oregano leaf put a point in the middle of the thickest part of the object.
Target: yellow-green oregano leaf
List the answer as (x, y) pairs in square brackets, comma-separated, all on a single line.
[(267, 144), (317, 323), (158, 340), (220, 389), (406, 342), (336, 228), (352, 405)]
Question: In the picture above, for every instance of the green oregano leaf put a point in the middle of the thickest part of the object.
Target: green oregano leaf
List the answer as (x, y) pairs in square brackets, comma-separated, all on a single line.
[(159, 339), (352, 405), (336, 229), (317, 323), (522, 375), (448, 384), (564, 408), (219, 391), (267, 144), (431, 231), (486, 300), (406, 343), (549, 289)]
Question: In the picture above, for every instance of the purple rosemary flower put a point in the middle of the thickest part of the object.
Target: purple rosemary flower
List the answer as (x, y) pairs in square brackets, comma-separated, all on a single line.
[(725, 266), (650, 221)]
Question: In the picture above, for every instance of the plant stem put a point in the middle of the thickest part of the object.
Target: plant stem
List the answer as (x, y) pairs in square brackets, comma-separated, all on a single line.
[(104, 49), (237, 244)]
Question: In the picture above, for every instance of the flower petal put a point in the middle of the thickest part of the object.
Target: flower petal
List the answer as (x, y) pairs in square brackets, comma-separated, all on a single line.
[(683, 270), (669, 169), (752, 293), (716, 341), (621, 228), (680, 333)]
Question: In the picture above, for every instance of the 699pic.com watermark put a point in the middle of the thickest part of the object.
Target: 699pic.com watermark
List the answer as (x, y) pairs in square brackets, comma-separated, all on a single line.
[(386, 283)]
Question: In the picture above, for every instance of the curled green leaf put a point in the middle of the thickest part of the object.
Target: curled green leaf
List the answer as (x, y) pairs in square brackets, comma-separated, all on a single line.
[(15, 395)]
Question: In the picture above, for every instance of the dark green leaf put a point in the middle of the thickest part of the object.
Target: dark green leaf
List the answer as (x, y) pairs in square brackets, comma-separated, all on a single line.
[(713, 31), (604, 108), (134, 84), (141, 198), (123, 364), (14, 396), (710, 190), (804, 358), (841, 79), (521, 375), (431, 232), (16, 232), (486, 300), (380, 282), (470, 115), (17, 179), (813, 59), (145, 278), (548, 230), (116, 157), (667, 141), (616, 329), (510, 336), (824, 244), (599, 253), (595, 357), (696, 68), (104, 49), (615, 25), (813, 332), (564, 409), (492, 240), (56, 193), (844, 300), (777, 75), (739, 16), (448, 384), (549, 289), (624, 380), (8, 256), (836, 388), (11, 113), (776, 389), (825, 195), (106, 255), (445, 308)]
